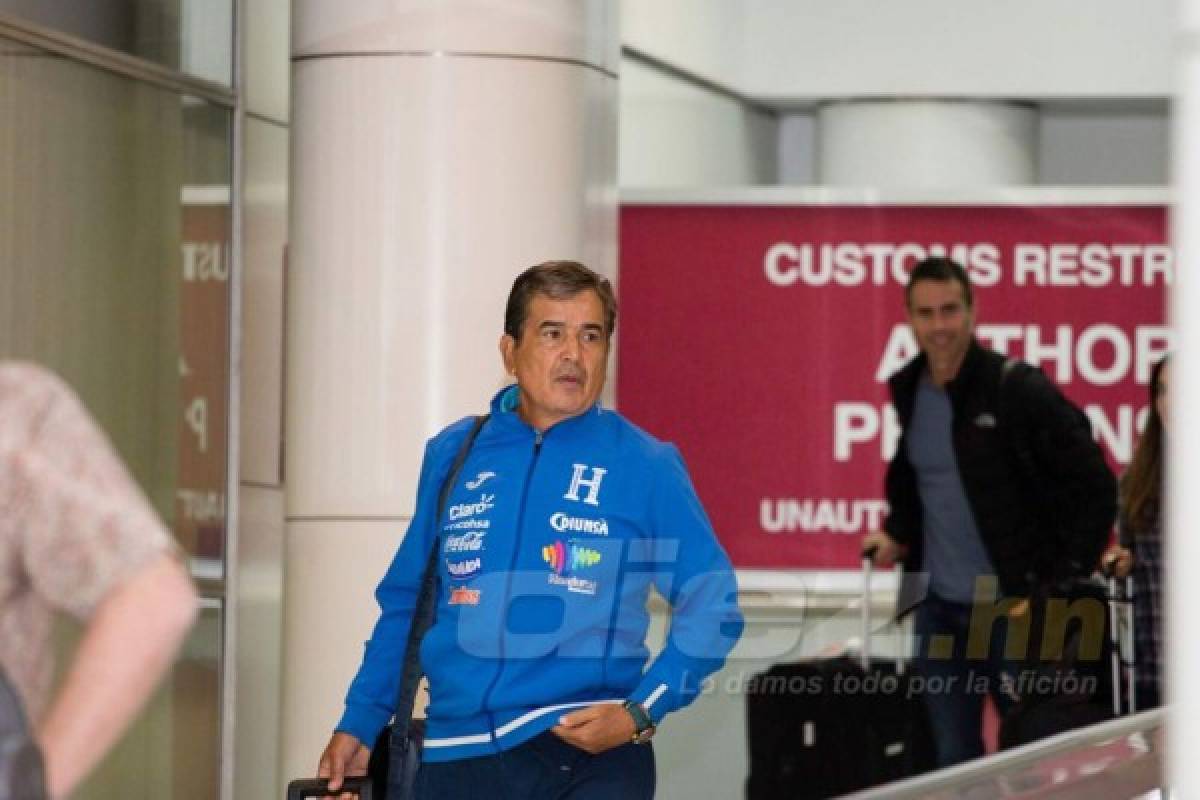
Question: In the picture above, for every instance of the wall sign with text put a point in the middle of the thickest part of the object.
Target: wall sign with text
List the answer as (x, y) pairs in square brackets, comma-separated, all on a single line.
[(759, 339)]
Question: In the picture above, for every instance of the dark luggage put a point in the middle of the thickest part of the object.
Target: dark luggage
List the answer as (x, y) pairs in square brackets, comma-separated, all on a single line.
[(822, 728), (21, 776), (1081, 686)]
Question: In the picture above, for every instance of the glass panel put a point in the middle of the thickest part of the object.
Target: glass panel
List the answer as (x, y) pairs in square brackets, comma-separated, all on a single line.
[(1121, 758), (191, 36), (266, 45), (114, 241), (114, 271), (203, 332), (264, 250)]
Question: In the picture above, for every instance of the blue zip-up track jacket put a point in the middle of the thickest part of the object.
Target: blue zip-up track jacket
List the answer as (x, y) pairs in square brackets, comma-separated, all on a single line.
[(548, 547)]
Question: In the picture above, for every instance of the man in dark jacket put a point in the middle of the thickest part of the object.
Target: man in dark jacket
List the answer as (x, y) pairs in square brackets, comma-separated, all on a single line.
[(997, 491)]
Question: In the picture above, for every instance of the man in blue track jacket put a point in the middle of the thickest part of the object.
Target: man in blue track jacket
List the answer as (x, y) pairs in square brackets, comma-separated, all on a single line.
[(562, 518)]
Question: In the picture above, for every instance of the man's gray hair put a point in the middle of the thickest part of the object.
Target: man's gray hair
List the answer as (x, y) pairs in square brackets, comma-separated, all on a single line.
[(559, 280)]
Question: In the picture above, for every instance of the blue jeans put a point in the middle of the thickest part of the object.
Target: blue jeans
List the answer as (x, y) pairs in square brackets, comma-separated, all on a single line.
[(957, 677), (544, 768)]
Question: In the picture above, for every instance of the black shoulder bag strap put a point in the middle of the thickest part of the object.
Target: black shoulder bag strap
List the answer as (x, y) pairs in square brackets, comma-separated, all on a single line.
[(423, 614)]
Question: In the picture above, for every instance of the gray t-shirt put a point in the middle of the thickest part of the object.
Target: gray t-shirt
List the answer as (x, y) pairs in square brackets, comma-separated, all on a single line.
[(954, 552)]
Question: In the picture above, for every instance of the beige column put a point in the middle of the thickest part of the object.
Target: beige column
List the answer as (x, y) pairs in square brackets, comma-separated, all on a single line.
[(437, 149), (1182, 648), (917, 144)]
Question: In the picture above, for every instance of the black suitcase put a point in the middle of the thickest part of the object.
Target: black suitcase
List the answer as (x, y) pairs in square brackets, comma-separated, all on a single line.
[(1083, 688), (822, 728), (21, 768)]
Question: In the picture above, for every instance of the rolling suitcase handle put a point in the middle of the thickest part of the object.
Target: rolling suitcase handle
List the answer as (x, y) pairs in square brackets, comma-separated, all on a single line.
[(868, 560), (1131, 664), (319, 787), (1116, 599)]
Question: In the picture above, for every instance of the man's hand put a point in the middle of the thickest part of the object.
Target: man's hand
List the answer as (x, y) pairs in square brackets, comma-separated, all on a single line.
[(344, 755), (596, 728), (1019, 609), (1118, 560), (887, 550)]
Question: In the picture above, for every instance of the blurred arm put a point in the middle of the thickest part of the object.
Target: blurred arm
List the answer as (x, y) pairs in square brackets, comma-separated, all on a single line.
[(128, 644)]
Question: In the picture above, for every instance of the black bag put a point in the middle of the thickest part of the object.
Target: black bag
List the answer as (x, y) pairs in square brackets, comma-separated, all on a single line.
[(397, 752), (826, 727), (1075, 687), (379, 767), (21, 769)]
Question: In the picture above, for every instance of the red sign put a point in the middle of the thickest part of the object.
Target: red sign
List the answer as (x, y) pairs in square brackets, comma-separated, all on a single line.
[(760, 339), (203, 378)]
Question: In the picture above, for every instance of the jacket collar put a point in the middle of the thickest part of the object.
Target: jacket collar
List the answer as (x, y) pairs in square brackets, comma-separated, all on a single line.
[(504, 411), (904, 382), (967, 371)]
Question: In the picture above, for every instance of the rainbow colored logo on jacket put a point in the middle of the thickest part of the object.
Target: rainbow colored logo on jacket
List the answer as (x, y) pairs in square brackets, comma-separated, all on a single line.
[(574, 557)]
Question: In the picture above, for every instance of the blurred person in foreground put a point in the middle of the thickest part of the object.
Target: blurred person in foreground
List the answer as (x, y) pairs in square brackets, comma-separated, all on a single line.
[(1140, 538), (77, 536)]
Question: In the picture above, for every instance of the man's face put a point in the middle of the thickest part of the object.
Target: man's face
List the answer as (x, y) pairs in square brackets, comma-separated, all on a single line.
[(943, 324), (561, 359)]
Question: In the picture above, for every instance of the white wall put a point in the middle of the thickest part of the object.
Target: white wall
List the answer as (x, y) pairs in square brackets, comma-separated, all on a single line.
[(1075, 148), (1104, 149), (790, 51), (704, 37), (791, 54), (674, 133), (679, 132), (1019, 48), (257, 591), (797, 146)]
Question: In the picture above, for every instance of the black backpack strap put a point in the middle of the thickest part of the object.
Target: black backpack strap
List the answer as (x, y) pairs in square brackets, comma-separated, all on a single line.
[(423, 613), (1064, 470)]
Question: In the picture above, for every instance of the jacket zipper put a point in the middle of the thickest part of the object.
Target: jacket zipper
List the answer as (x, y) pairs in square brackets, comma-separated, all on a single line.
[(512, 564)]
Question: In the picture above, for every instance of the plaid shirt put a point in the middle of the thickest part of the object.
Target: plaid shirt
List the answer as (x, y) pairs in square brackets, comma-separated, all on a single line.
[(73, 524), (1145, 541)]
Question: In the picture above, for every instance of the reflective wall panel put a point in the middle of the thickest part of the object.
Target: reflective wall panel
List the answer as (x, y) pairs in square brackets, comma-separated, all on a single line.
[(192, 36), (115, 272)]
